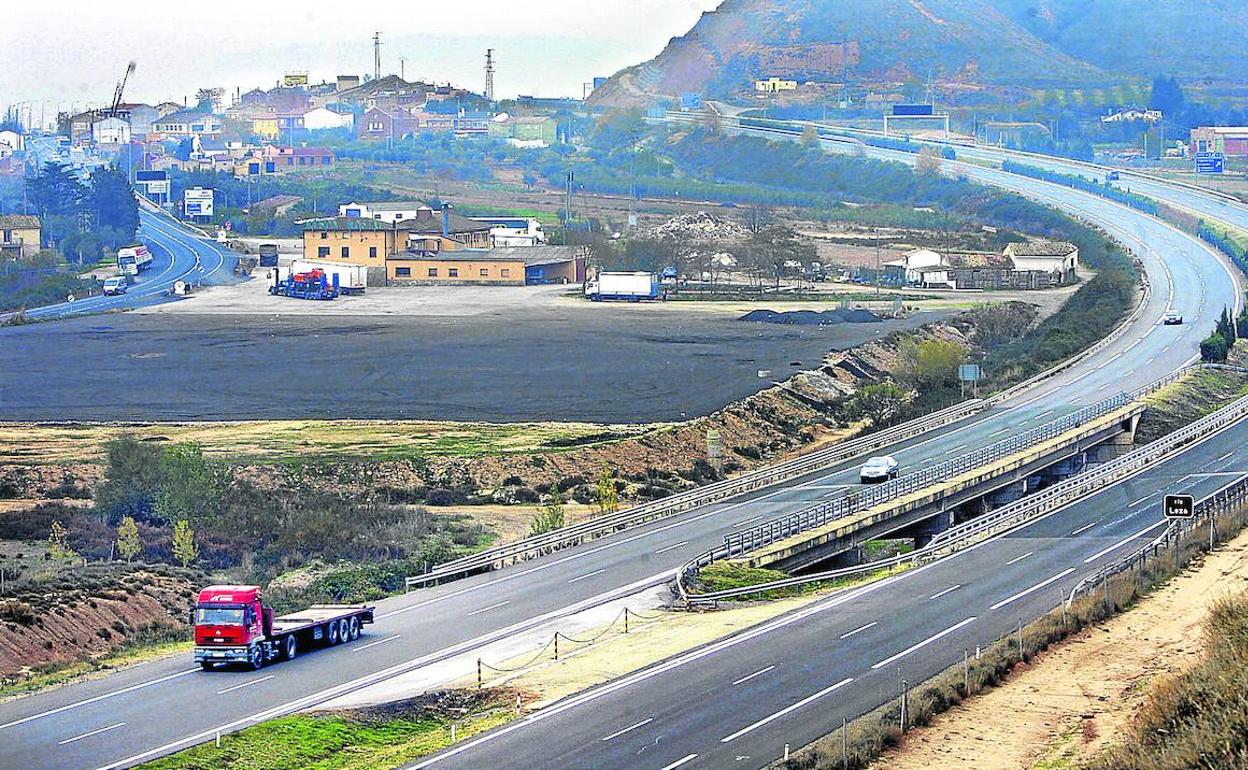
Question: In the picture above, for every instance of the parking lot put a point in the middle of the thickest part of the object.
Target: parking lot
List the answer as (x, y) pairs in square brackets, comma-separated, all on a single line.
[(475, 354)]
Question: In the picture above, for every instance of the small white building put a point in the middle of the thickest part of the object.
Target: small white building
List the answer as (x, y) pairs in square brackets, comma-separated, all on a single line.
[(13, 141), (384, 211), (110, 131), (911, 263), (513, 231), (321, 118), (1045, 257)]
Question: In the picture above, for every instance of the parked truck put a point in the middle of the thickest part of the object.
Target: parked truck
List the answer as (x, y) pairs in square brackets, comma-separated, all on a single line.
[(352, 279), (627, 286), (268, 255), (232, 625), (313, 284)]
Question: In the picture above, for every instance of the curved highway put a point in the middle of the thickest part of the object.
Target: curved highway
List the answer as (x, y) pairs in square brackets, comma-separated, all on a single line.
[(158, 707), (178, 254)]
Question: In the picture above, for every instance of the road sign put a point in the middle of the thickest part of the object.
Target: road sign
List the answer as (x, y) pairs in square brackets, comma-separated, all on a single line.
[(198, 201), (1179, 506), (970, 373), (1209, 162)]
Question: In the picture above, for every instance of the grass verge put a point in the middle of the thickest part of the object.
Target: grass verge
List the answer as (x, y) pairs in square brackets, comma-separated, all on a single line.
[(375, 738), (55, 675)]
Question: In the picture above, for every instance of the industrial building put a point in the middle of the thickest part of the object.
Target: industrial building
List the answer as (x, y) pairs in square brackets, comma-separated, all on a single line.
[(1231, 141), (515, 266)]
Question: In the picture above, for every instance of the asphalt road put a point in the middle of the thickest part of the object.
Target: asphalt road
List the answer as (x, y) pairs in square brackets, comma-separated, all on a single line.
[(554, 363), (792, 680), (177, 254), (158, 707)]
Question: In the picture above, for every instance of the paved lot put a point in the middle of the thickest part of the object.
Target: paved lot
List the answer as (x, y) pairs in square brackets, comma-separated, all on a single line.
[(455, 360)]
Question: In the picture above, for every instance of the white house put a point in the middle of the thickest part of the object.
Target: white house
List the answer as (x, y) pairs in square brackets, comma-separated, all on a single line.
[(110, 131), (322, 118), (907, 268), (1131, 115), (1044, 256), (12, 140), (513, 231), (385, 211)]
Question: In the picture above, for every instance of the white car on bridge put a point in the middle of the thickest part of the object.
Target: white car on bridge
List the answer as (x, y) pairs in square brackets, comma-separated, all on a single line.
[(879, 469)]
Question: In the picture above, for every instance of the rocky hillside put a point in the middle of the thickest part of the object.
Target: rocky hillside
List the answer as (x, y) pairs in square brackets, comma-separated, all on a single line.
[(1030, 43)]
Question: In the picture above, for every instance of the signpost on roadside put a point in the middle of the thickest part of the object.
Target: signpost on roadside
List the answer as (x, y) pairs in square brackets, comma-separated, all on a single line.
[(1179, 506), (1209, 162), (971, 373)]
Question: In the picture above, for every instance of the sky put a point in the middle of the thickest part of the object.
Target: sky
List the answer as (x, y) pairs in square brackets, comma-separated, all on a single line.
[(71, 54)]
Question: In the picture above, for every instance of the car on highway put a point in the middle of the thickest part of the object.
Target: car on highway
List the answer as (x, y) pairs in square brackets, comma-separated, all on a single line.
[(1173, 319), (879, 469), (116, 285)]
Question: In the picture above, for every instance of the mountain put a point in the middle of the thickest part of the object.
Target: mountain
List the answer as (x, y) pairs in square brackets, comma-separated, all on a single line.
[(1021, 43)]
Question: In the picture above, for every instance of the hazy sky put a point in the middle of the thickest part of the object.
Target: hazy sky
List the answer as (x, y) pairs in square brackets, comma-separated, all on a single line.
[(74, 52)]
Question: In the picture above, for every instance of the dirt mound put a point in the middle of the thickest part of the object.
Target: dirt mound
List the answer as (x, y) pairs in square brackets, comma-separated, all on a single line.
[(811, 317)]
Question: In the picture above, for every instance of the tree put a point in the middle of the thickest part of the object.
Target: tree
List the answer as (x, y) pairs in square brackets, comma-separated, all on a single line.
[(129, 545), (132, 480), (184, 548), (879, 403), (929, 363), (772, 247), (1166, 96), (191, 487), (112, 208), (810, 136), (1213, 349), (208, 99), (550, 517), (928, 161), (56, 192), (1241, 324), (1226, 328), (58, 542), (608, 495)]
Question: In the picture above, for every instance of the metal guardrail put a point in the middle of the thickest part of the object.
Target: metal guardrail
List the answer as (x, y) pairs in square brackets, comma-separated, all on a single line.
[(1230, 497), (754, 480), (1002, 520)]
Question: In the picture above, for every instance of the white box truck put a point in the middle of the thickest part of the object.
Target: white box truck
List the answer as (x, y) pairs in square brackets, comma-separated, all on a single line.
[(352, 279), (627, 286)]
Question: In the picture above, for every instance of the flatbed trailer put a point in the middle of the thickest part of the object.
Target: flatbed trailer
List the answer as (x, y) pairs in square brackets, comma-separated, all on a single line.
[(233, 626)]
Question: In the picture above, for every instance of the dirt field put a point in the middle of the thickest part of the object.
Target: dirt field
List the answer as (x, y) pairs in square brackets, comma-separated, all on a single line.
[(1073, 700), (454, 360)]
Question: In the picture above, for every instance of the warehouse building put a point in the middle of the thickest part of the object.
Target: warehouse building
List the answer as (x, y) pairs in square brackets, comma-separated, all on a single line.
[(514, 266), (1231, 141)]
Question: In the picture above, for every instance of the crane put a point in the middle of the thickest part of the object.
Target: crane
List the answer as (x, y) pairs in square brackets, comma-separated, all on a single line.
[(121, 87)]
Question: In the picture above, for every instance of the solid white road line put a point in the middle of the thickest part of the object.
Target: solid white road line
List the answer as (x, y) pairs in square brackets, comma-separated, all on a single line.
[(924, 643), (1017, 559), (1033, 589), (785, 710), (245, 684), (679, 762), (1123, 542), (1083, 529), (1137, 502), (93, 732), (748, 677), (587, 575), (618, 733), (939, 594), (487, 609), (859, 629), (76, 704), (1223, 457), (379, 641), (747, 521), (671, 547)]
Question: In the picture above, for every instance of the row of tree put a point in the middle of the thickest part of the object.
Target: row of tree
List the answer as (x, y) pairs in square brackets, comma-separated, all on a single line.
[(1216, 348), (84, 221)]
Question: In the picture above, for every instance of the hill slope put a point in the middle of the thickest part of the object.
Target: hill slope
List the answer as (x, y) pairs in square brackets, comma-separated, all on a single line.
[(1033, 43)]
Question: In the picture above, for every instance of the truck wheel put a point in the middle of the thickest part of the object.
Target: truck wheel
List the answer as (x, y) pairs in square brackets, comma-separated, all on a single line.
[(354, 625), (331, 633), (344, 631), (291, 648), (205, 665), (256, 660)]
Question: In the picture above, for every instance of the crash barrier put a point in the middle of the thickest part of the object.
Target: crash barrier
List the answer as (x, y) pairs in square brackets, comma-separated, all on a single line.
[(576, 534), (1001, 520)]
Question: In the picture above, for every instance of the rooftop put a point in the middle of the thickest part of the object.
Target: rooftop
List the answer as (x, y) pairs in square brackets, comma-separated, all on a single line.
[(429, 221), (1041, 249), (277, 201), (18, 221), (344, 223), (393, 205)]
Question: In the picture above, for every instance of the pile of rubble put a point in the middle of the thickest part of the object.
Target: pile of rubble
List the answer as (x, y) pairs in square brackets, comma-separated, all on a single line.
[(701, 226)]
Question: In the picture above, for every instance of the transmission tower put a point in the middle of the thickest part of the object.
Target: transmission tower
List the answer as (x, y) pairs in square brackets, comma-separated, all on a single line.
[(489, 74)]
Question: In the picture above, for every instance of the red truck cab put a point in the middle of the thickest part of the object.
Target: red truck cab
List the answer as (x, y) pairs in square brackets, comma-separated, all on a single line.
[(232, 625)]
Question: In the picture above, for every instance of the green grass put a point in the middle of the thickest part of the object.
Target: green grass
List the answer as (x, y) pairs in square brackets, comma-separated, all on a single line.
[(726, 575), (356, 740)]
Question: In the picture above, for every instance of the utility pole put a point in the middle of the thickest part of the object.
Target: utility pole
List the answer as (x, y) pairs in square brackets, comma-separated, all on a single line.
[(403, 68), (377, 55), (877, 263), (489, 74)]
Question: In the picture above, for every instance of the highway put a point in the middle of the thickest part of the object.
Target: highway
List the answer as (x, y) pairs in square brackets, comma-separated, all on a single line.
[(158, 707), (177, 254)]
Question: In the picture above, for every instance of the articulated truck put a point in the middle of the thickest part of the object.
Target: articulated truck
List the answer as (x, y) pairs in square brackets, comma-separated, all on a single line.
[(232, 625)]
